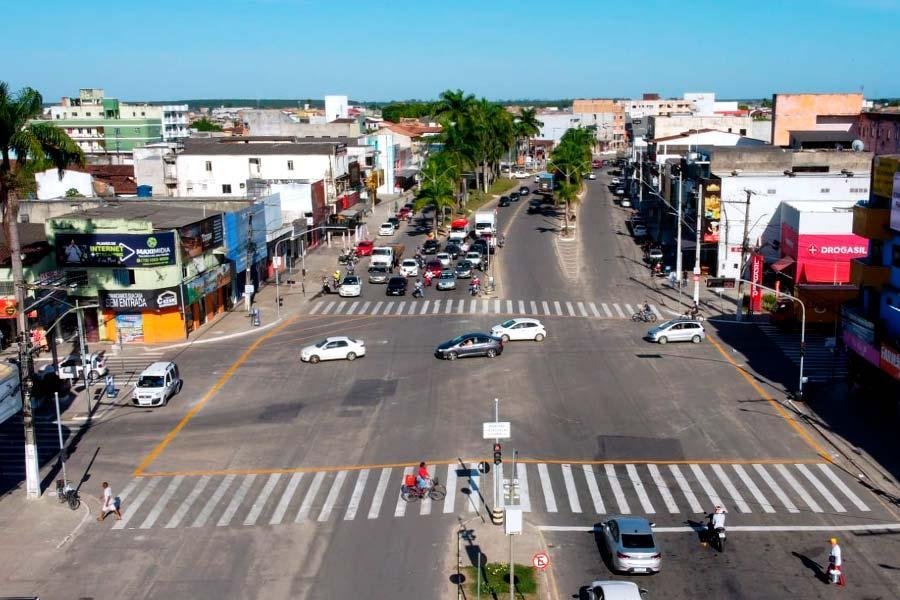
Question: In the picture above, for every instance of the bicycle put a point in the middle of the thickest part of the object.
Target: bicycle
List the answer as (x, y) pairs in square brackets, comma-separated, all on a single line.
[(412, 493), (65, 493)]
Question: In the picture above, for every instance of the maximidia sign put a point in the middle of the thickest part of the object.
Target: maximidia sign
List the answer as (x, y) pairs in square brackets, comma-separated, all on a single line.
[(140, 300)]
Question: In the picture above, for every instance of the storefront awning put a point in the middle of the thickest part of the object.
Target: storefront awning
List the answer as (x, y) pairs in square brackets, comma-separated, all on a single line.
[(782, 263)]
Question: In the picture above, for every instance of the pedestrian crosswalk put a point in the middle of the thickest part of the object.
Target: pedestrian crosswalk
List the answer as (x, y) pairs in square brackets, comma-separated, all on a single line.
[(130, 362), (820, 363), (678, 490), (476, 306)]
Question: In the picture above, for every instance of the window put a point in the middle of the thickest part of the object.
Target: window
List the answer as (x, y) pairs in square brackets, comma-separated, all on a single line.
[(123, 276), (254, 161), (290, 165), (80, 130), (824, 191), (209, 165), (137, 129), (143, 114), (242, 186), (57, 115), (226, 188), (87, 114), (743, 131), (771, 192)]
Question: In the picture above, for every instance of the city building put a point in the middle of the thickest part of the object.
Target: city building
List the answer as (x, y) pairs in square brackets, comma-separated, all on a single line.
[(39, 266), (274, 122), (661, 126), (554, 123), (679, 145), (336, 108), (814, 112), (880, 131), (705, 104), (653, 105), (608, 116)]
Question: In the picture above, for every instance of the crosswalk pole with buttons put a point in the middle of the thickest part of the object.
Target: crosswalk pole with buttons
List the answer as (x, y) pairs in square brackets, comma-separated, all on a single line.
[(497, 430)]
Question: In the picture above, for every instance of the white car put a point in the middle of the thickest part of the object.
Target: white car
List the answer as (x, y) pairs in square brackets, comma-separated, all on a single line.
[(592, 175), (620, 191), (445, 259), (350, 287), (625, 202), (334, 348), (520, 329), (614, 590), (409, 267), (474, 257), (521, 175), (386, 229)]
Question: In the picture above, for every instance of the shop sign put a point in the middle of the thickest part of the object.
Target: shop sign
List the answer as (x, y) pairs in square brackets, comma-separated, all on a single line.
[(200, 237), (8, 308), (206, 283), (138, 300), (115, 249), (130, 327), (895, 204), (860, 347), (883, 177), (890, 361), (756, 268)]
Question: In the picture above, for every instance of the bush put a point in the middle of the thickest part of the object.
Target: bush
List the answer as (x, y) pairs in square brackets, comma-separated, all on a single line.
[(495, 579), (768, 302)]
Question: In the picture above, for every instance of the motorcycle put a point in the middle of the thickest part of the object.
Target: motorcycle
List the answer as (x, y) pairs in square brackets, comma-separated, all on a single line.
[(347, 257), (646, 316), (474, 289), (715, 535), (418, 292)]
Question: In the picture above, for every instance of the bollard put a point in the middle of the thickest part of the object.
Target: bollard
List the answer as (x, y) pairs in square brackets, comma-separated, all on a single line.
[(497, 516)]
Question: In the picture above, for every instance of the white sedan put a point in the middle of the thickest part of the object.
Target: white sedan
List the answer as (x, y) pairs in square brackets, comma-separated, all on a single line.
[(520, 329), (521, 175), (334, 348), (350, 287), (445, 259), (409, 267), (386, 229)]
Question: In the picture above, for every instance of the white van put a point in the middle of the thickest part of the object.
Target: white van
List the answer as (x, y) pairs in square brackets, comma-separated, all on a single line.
[(156, 384)]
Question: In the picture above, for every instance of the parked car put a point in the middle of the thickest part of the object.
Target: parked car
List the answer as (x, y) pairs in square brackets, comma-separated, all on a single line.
[(592, 175), (625, 202), (409, 267), (469, 344), (431, 247), (156, 384), (351, 286), (620, 191), (514, 196), (520, 329), (524, 191), (334, 348), (379, 274), (445, 259), (504, 201), (72, 368), (677, 330), (615, 181), (639, 231), (654, 255), (397, 286), (631, 545), (446, 280), (463, 269), (521, 175), (364, 248), (386, 229)]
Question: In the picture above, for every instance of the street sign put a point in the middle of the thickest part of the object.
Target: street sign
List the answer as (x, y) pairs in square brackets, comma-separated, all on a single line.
[(513, 520), (484, 467), (720, 282), (541, 560), (276, 262), (496, 430), (248, 289)]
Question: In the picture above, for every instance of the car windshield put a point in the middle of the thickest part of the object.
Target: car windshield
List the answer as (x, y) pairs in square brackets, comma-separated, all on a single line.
[(351, 281), (321, 344), (397, 281), (447, 275), (637, 540), (378, 270), (150, 381), (409, 263), (509, 323)]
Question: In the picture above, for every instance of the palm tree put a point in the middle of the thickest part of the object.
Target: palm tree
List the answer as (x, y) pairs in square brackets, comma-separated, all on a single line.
[(527, 125), (453, 107), (437, 188), (33, 147), (571, 158)]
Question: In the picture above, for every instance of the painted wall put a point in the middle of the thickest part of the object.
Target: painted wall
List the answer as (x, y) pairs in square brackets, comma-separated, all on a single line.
[(49, 184), (799, 112)]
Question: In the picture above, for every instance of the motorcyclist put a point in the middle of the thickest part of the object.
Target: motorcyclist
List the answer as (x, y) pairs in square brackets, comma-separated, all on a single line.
[(336, 276), (645, 309), (428, 277), (694, 311), (717, 519), (418, 290)]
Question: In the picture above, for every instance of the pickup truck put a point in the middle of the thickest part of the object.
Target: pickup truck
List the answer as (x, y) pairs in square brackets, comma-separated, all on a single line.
[(387, 256)]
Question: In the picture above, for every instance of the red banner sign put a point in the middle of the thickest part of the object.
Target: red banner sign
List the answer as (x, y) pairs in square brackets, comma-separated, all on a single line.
[(822, 258), (890, 361), (756, 269)]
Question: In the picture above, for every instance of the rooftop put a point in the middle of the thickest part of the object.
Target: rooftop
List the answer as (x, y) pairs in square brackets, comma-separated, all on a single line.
[(817, 206), (161, 215), (33, 241), (249, 146)]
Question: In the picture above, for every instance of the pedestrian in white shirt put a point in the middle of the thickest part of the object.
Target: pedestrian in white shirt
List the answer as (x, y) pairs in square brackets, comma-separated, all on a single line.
[(834, 563), (108, 503)]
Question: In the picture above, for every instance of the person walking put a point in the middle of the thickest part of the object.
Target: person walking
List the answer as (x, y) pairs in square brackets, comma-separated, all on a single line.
[(108, 503), (835, 573)]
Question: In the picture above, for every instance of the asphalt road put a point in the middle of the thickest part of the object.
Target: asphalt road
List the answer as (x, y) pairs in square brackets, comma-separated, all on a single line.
[(271, 478)]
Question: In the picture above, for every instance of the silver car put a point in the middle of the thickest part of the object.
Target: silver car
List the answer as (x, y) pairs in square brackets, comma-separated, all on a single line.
[(474, 257), (677, 330), (631, 545)]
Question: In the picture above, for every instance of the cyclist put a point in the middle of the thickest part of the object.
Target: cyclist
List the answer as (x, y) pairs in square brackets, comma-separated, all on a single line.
[(423, 479)]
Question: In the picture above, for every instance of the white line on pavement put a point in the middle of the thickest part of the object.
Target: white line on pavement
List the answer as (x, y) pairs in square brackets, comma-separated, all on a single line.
[(571, 490), (873, 528), (450, 498), (226, 517), (306, 505), (582, 309), (751, 485), (425, 508), (776, 489), (663, 489), (185, 506), (533, 306), (613, 480), (400, 507), (618, 310), (161, 503), (596, 498), (570, 308), (549, 498), (639, 489), (606, 310), (522, 307), (546, 307), (213, 501), (706, 485), (821, 487), (285, 499), (524, 498), (383, 480), (685, 489), (333, 494), (843, 487), (424, 307), (260, 503), (557, 307), (798, 489), (356, 495), (729, 487), (594, 310), (130, 511)]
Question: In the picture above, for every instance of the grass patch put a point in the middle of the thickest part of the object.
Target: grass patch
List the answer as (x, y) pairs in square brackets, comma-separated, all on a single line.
[(495, 580), (501, 186)]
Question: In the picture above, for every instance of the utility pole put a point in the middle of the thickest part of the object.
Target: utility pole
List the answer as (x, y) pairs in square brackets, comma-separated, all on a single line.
[(739, 315), (679, 260), (82, 347), (697, 247), (26, 373), (248, 277)]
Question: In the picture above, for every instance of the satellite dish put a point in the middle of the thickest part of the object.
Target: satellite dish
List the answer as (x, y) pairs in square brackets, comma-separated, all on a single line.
[(858, 146)]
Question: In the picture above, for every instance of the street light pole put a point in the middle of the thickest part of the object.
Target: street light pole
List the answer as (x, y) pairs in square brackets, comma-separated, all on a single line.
[(697, 247), (744, 247), (678, 258)]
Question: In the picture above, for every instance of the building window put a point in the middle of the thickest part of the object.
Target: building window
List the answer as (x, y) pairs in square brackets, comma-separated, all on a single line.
[(824, 191), (290, 165), (87, 114), (226, 188), (137, 129), (123, 276), (57, 115), (143, 114), (209, 165), (771, 192), (743, 131), (254, 161), (80, 130), (241, 185)]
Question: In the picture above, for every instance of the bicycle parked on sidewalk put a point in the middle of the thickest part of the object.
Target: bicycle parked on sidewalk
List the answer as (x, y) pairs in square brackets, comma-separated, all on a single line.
[(66, 493)]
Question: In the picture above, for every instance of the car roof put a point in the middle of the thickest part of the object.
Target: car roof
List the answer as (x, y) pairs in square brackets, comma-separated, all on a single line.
[(618, 590), (632, 524), (337, 338), (409, 261), (157, 368)]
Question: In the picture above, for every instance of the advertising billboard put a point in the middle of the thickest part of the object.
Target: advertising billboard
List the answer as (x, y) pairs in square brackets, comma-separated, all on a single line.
[(756, 269), (131, 250), (822, 258), (138, 300), (883, 175), (207, 283), (712, 209), (890, 361), (895, 204), (201, 236)]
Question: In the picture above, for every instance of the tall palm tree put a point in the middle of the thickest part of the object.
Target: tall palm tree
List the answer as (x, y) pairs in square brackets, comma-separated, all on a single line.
[(438, 184), (571, 158), (453, 107), (33, 147), (527, 126)]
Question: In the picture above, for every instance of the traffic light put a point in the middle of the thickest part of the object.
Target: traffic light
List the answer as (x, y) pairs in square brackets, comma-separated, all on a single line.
[(498, 457), (280, 301)]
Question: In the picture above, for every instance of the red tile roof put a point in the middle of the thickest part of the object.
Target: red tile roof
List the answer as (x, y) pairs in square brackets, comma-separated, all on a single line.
[(120, 177)]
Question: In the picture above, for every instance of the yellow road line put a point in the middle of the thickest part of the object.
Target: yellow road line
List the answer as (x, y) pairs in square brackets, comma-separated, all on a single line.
[(206, 397), (772, 402)]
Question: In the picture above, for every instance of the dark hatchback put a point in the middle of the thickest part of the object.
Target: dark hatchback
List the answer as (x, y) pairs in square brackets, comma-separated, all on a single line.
[(504, 201), (452, 248), (397, 286), (470, 344), (431, 247)]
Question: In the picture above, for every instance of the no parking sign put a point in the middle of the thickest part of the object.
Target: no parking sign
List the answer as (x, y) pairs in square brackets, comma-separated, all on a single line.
[(541, 560)]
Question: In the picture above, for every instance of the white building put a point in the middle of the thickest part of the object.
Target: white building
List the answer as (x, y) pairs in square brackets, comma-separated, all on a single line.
[(676, 146), (556, 122), (175, 122), (50, 185), (335, 108), (705, 104), (382, 144)]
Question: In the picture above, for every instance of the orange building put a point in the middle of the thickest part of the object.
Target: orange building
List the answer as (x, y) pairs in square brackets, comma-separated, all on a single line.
[(813, 112), (607, 114)]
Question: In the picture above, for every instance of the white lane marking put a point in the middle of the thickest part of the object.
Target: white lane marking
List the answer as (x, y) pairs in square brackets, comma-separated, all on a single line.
[(400, 507), (629, 310), (352, 307), (484, 306), (594, 310), (729, 487), (383, 480), (328, 308), (449, 307), (340, 306), (546, 307), (130, 510), (549, 498), (400, 307), (826, 493), (606, 310), (310, 497), (751, 485), (161, 503), (571, 490), (639, 489), (497, 306), (706, 485), (570, 308), (316, 308), (285, 499), (663, 489), (333, 494), (582, 309), (364, 308), (619, 311), (236, 500), (436, 307), (686, 489), (213, 501), (412, 307), (874, 528), (533, 306), (425, 509), (557, 307), (450, 498), (613, 480), (524, 498), (798, 489), (376, 307), (424, 307), (509, 306), (596, 498), (260, 503), (474, 490), (776, 489), (185, 506), (656, 311), (461, 307), (356, 495), (521, 307), (843, 487)]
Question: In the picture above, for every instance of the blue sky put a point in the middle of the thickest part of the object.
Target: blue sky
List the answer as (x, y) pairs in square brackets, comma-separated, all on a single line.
[(380, 50)]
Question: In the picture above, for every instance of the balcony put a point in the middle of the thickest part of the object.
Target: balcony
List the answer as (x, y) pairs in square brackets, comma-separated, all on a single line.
[(871, 223), (863, 273)]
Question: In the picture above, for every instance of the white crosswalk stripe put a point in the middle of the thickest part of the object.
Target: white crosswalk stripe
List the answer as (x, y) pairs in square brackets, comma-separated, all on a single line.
[(448, 306), (230, 500), (619, 311), (606, 310), (819, 360), (425, 508)]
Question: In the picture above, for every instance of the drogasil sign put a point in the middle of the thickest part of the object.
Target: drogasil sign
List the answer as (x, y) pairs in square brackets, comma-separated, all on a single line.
[(837, 250)]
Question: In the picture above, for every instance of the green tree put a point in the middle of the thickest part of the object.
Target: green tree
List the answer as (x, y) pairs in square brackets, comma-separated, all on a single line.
[(204, 124), (73, 193), (454, 107), (572, 159), (33, 146), (437, 186), (526, 126)]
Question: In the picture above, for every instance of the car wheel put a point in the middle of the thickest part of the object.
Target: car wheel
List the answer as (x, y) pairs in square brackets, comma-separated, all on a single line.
[(663, 340), (452, 355), (313, 359), (491, 353), (696, 339), (539, 337), (351, 356), (504, 338)]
